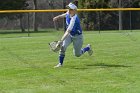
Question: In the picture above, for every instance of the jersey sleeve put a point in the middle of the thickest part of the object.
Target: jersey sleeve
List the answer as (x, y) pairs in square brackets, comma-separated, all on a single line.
[(72, 22), (64, 15)]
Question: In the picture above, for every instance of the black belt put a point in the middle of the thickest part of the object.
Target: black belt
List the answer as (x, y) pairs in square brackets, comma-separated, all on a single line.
[(76, 34)]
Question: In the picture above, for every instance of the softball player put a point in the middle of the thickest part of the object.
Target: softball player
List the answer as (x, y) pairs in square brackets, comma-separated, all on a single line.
[(73, 34)]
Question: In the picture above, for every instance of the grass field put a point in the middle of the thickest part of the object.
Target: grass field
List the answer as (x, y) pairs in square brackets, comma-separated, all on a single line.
[(26, 64)]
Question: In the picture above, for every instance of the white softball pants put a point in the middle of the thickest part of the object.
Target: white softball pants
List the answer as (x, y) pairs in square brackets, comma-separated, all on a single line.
[(77, 41)]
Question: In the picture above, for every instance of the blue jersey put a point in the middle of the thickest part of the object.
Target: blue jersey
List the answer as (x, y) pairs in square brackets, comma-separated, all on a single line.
[(73, 24)]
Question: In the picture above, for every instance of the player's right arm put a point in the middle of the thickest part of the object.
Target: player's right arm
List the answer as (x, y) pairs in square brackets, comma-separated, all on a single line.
[(59, 17)]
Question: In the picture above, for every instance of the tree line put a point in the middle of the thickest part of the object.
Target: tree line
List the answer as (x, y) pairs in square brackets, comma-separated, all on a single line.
[(89, 20), (110, 20)]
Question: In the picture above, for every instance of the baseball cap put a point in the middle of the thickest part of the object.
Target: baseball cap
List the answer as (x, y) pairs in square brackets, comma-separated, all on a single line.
[(71, 6)]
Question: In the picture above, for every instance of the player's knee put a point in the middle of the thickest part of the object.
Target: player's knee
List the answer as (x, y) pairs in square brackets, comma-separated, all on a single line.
[(77, 55), (62, 50)]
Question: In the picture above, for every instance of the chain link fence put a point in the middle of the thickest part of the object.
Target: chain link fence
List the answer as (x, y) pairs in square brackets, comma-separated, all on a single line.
[(94, 21)]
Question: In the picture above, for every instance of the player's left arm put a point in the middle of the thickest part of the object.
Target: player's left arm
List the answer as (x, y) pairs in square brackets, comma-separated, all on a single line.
[(69, 29)]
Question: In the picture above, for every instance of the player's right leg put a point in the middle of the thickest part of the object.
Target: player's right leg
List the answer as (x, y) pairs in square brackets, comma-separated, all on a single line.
[(66, 43)]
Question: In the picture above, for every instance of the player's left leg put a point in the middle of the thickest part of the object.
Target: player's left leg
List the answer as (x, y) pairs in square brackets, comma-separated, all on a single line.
[(78, 50), (77, 45)]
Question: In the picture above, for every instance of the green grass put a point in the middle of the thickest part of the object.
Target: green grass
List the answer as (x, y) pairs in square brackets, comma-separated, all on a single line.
[(26, 64)]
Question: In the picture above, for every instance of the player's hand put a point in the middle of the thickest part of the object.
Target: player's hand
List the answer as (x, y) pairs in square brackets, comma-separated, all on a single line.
[(59, 43)]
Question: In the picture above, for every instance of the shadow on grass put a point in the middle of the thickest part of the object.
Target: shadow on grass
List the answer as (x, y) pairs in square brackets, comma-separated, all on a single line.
[(79, 68), (101, 65), (107, 65)]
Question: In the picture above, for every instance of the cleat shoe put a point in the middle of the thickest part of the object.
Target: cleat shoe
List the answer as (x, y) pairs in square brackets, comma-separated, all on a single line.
[(58, 65), (90, 51)]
